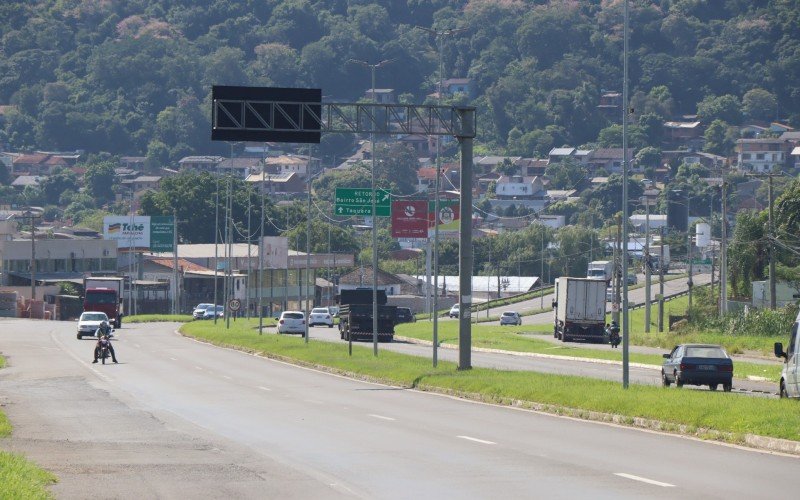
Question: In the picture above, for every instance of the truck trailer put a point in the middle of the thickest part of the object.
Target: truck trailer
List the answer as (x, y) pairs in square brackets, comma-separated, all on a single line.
[(579, 309), (104, 294), (355, 315), (601, 270)]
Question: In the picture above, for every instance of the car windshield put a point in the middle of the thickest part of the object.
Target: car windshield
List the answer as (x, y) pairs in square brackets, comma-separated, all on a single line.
[(705, 352), (508, 314), (94, 317), (293, 315), (98, 297), (203, 306), (319, 310)]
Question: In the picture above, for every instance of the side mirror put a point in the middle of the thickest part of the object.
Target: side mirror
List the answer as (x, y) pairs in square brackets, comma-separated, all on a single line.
[(778, 348), (665, 356), (276, 319)]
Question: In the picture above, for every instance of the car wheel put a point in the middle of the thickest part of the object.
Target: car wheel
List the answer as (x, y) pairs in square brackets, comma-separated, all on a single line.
[(713, 387), (330, 326), (784, 394), (664, 380), (727, 387), (678, 381), (80, 337)]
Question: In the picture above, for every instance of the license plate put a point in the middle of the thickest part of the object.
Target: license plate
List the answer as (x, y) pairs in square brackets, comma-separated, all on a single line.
[(708, 367)]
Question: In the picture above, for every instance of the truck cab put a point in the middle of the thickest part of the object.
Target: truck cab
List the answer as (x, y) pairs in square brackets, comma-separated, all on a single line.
[(790, 376)]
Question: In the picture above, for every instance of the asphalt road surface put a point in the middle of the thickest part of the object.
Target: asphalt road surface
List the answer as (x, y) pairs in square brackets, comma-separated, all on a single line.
[(181, 419)]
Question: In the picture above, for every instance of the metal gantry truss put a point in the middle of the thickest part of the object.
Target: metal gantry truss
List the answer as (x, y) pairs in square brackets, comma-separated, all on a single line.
[(356, 118)]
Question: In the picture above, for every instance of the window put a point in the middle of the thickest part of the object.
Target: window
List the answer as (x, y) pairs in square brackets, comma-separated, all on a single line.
[(792, 342), (759, 156)]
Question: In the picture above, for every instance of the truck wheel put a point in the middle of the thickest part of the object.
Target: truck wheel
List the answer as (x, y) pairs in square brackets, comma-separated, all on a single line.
[(727, 387)]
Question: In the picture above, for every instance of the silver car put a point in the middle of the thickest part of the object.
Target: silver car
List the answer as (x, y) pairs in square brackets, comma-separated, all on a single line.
[(89, 322), (200, 309), (320, 316), (510, 318)]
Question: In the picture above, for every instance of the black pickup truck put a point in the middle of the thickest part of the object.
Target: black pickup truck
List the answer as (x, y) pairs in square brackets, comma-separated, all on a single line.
[(355, 315)]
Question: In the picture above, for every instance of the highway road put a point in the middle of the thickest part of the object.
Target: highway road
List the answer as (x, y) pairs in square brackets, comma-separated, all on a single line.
[(178, 418)]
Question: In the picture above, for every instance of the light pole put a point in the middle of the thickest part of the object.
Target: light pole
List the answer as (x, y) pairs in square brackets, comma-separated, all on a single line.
[(439, 35), (647, 200), (624, 249), (373, 67), (308, 243)]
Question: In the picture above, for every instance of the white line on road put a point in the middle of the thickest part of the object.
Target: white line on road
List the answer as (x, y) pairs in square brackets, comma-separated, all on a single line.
[(380, 416), (227, 377), (174, 359), (197, 368), (264, 388), (644, 480), (476, 440)]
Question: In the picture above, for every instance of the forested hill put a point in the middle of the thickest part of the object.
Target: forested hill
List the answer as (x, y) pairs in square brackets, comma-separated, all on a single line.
[(134, 76)]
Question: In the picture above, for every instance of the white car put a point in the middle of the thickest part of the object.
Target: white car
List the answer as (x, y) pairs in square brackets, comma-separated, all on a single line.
[(320, 316), (200, 309), (454, 311), (292, 322), (89, 322), (510, 318)]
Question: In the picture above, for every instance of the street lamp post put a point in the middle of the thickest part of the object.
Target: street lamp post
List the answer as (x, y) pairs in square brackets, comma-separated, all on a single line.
[(373, 67)]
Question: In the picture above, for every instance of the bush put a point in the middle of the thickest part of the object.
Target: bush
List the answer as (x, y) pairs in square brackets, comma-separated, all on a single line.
[(703, 316)]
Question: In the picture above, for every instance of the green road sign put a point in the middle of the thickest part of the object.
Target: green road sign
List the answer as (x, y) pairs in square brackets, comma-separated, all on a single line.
[(162, 233), (358, 201)]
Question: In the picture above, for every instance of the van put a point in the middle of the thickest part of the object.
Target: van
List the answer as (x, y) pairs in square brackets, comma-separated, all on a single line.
[(790, 382)]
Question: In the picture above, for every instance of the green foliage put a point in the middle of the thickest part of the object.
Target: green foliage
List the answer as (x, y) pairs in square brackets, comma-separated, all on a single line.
[(99, 178), (747, 256), (566, 174)]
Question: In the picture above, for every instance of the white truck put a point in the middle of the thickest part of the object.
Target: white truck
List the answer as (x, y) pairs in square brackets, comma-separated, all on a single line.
[(579, 309), (790, 374), (601, 270)]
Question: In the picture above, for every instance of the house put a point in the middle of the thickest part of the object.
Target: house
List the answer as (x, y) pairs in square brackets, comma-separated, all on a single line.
[(23, 181), (283, 183), (146, 182), (532, 166), (31, 164), (679, 132), (421, 144), (752, 130), (519, 187), (426, 179), (762, 155), (794, 157), (200, 163), (610, 102), (485, 164), (558, 154), (132, 162), (239, 167), (362, 277), (381, 96), (609, 160), (297, 164), (677, 157), (459, 85)]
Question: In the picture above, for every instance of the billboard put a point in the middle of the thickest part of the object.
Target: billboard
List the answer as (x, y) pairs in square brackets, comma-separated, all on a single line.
[(142, 232), (448, 211), (410, 219), (276, 252)]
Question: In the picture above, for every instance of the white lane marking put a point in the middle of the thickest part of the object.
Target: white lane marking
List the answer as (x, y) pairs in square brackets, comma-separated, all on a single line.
[(476, 440), (264, 388), (137, 346), (644, 480), (227, 377), (380, 417), (197, 368), (174, 359)]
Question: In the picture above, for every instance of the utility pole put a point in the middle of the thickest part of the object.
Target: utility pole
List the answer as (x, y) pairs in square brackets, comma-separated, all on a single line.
[(176, 290), (771, 229), (261, 260), (661, 285), (32, 217), (615, 282), (723, 265)]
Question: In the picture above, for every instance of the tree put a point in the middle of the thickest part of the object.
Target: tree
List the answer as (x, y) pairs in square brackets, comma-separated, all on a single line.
[(566, 174), (747, 252), (759, 104), (61, 180), (720, 138), (99, 178), (726, 108)]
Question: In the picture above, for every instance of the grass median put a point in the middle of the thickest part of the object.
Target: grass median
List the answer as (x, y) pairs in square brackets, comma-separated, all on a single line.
[(706, 414), (519, 339), (20, 478), (157, 318)]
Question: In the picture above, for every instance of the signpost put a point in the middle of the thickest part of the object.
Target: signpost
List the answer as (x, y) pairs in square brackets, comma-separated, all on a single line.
[(358, 201), (410, 219)]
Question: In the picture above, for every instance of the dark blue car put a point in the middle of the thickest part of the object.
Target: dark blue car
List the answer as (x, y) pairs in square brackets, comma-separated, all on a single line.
[(698, 364)]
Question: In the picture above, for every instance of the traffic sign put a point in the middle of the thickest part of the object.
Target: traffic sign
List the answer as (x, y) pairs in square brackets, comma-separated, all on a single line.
[(234, 304), (358, 201)]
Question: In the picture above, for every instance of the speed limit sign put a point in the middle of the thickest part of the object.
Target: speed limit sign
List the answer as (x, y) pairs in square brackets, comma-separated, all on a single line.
[(234, 304)]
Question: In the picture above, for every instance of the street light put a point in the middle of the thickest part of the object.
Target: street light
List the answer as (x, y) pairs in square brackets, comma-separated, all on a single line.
[(373, 67), (308, 241)]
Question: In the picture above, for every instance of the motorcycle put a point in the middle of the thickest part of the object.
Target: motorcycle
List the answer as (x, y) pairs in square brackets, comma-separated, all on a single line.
[(613, 336), (104, 352)]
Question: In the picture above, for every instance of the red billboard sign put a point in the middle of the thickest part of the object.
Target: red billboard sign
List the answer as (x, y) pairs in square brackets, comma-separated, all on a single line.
[(410, 219)]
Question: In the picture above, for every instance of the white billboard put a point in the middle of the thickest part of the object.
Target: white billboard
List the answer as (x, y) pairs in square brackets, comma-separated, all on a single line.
[(276, 252), (128, 231)]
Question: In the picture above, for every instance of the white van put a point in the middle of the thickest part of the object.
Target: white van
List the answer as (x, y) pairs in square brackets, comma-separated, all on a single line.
[(790, 375)]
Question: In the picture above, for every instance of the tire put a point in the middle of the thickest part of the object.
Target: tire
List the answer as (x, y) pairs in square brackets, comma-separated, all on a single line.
[(664, 380), (80, 337), (727, 387), (713, 387), (678, 381), (118, 323), (784, 394), (330, 326)]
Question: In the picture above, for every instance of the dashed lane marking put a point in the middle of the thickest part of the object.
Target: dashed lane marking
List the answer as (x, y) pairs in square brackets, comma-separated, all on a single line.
[(644, 480)]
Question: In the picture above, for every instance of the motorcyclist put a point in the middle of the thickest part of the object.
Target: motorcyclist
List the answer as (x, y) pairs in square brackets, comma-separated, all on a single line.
[(103, 330), (104, 340), (613, 330)]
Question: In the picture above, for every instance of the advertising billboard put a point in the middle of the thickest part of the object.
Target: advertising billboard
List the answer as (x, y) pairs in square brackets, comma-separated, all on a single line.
[(276, 252), (128, 231), (410, 219)]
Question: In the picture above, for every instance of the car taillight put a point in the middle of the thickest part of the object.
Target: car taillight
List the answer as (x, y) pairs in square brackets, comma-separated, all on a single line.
[(687, 366), (726, 368)]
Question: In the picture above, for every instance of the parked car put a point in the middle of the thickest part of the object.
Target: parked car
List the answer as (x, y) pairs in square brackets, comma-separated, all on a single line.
[(698, 364), (510, 318), (404, 315), (320, 316), (632, 279), (89, 322), (292, 322), (454, 311), (212, 310), (200, 309)]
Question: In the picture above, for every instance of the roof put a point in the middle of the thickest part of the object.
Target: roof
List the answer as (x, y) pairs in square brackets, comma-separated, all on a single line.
[(201, 159), (561, 151), (147, 178), (610, 154), (688, 125), (27, 180), (281, 177), (457, 81), (31, 159), (355, 277), (791, 136), (796, 151), (183, 264), (240, 162)]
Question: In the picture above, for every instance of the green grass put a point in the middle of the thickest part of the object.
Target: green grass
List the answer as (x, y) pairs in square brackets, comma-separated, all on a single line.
[(695, 411), (153, 318), (518, 339), (20, 478)]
